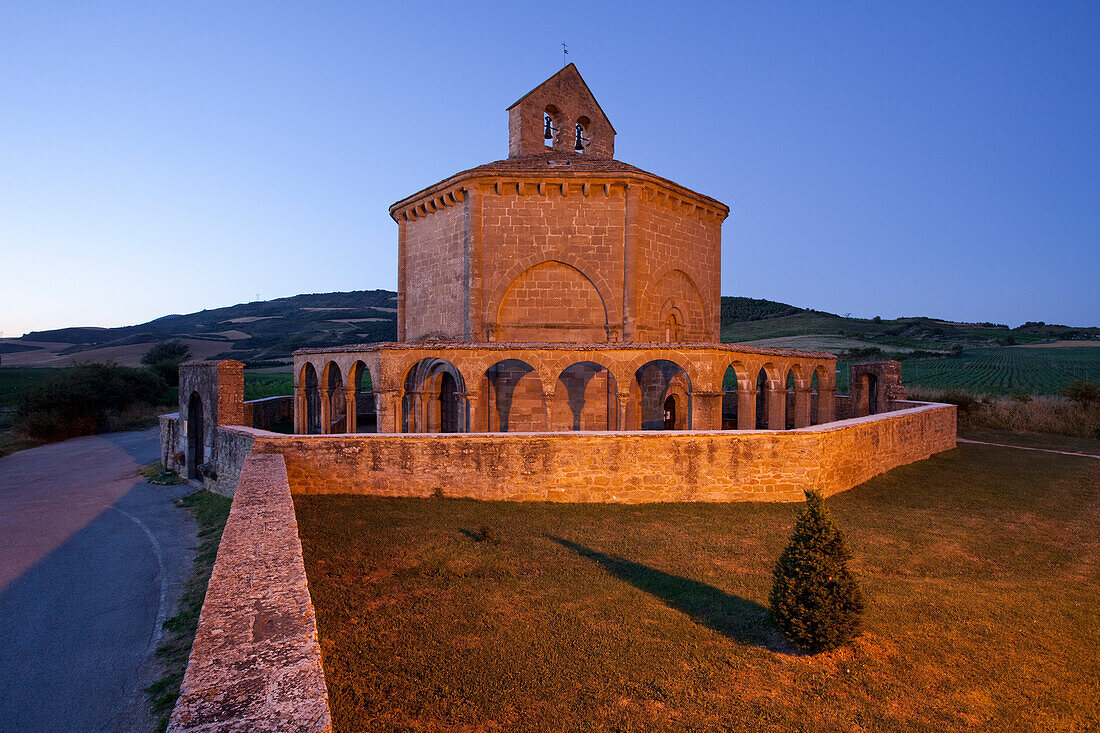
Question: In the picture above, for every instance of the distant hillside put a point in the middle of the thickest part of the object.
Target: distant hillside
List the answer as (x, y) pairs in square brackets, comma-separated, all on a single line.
[(264, 332), (261, 331)]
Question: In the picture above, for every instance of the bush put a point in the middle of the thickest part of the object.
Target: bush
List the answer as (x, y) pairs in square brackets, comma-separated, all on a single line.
[(1082, 391), (89, 398), (165, 359), (815, 600)]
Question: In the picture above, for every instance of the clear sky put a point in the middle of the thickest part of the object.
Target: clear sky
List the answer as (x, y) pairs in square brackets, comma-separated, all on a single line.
[(887, 159)]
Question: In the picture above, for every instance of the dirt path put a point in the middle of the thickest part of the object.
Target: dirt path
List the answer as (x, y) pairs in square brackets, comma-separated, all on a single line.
[(92, 560)]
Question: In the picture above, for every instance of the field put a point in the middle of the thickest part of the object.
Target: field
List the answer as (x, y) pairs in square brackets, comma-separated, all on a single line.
[(980, 567), (1002, 370)]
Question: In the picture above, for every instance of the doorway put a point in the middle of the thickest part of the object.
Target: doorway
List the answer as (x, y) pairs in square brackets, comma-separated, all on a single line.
[(195, 449)]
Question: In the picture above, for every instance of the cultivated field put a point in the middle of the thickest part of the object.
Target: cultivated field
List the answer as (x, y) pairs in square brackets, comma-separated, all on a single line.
[(979, 565), (1000, 370)]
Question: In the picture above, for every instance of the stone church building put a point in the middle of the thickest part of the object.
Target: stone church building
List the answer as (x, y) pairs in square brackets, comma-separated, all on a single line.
[(559, 289)]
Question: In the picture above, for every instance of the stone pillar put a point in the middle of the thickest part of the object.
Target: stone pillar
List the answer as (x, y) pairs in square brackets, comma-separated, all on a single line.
[(746, 409), (301, 409), (351, 407), (389, 418), (706, 411), (548, 407), (826, 405), (623, 399), (776, 395), (631, 240), (473, 406), (801, 407), (326, 411)]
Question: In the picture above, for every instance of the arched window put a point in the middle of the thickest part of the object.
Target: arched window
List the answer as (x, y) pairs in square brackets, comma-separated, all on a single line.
[(551, 125), (580, 132)]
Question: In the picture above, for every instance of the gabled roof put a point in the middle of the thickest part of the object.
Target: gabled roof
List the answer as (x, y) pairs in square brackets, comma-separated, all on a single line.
[(570, 71)]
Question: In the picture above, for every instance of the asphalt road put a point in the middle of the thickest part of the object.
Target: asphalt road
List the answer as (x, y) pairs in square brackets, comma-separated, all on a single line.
[(92, 560)]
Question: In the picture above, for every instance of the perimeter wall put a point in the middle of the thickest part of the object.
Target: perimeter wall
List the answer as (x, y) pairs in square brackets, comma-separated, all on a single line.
[(623, 467)]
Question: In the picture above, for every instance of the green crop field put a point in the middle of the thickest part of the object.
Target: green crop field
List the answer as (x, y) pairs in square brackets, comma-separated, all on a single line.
[(1006, 370)]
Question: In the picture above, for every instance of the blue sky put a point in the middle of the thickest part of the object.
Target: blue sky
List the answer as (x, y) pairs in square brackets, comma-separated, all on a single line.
[(879, 158)]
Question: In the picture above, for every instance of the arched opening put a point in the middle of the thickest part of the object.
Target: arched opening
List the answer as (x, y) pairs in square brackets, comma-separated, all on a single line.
[(673, 327), (434, 400), (366, 416), (580, 135), (762, 400), (336, 399), (731, 394), (448, 404), (670, 412), (196, 436), (586, 398), (868, 394), (654, 383), (512, 399), (822, 406), (313, 400), (789, 401), (551, 126)]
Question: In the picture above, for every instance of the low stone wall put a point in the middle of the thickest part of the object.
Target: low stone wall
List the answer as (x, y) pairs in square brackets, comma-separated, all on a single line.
[(268, 412), (615, 467), (256, 661)]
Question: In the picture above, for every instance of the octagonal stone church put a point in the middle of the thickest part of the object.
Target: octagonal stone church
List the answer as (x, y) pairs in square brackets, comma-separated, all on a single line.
[(560, 289)]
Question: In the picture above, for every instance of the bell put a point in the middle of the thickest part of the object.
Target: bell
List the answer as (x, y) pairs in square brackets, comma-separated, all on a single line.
[(579, 147), (548, 133)]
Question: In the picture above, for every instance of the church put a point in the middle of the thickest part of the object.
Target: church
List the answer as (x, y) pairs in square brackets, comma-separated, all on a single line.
[(560, 289)]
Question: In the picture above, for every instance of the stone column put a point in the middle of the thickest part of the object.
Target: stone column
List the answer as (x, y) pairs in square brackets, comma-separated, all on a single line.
[(326, 411), (826, 405), (776, 395), (472, 399), (801, 407), (746, 409), (301, 408), (351, 407), (623, 399), (548, 407)]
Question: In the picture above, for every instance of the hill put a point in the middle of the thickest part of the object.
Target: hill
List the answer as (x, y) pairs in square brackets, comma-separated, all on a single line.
[(264, 333)]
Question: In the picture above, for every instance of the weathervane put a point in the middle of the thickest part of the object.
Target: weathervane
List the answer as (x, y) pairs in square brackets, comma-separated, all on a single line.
[(564, 53)]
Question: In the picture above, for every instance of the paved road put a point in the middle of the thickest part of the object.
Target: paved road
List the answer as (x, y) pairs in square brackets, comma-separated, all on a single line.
[(92, 559)]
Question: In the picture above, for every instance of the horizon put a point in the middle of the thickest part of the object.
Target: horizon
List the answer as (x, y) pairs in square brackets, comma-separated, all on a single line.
[(900, 162)]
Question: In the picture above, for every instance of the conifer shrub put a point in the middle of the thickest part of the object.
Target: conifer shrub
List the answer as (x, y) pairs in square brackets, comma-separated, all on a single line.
[(815, 600)]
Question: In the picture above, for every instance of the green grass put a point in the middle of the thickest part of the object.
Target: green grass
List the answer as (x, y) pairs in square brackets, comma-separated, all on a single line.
[(979, 566), (211, 512), (259, 386)]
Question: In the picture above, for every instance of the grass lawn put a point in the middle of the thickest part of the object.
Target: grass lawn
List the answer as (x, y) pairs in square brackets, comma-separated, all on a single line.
[(979, 567)]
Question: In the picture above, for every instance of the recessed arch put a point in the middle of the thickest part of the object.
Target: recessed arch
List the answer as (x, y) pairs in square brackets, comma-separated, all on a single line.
[(674, 295), (552, 301), (335, 397), (586, 398), (512, 398), (362, 384), (434, 399), (654, 382), (311, 388), (196, 436)]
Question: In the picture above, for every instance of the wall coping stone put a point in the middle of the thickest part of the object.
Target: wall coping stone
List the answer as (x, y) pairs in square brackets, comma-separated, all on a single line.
[(566, 434), (256, 660)]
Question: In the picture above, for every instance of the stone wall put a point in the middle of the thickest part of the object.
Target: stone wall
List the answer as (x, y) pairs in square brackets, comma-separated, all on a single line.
[(256, 660), (616, 467), (269, 412)]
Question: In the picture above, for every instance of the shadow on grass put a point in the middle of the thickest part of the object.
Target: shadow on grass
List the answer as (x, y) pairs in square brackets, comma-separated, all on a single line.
[(739, 619)]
